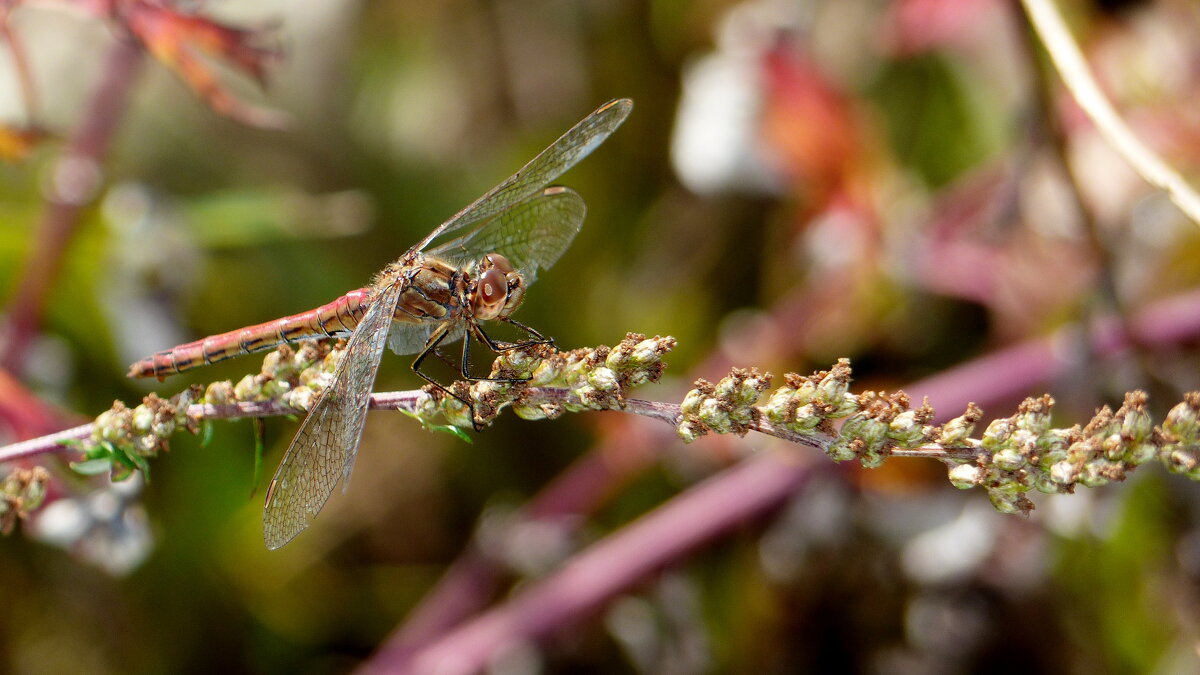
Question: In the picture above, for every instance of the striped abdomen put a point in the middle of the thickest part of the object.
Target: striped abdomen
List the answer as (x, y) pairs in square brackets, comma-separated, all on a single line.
[(335, 319), (432, 293)]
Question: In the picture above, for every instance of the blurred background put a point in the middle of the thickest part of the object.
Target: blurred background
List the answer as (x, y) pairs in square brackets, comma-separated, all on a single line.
[(902, 183)]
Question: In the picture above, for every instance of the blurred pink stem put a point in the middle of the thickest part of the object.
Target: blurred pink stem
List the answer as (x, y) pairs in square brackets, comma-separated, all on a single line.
[(989, 380), (472, 579), (611, 567), (73, 183), (1010, 373)]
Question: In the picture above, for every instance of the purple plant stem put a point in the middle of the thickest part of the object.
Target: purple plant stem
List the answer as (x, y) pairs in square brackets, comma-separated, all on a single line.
[(581, 489), (43, 445), (612, 566), (1011, 372), (473, 577), (75, 180)]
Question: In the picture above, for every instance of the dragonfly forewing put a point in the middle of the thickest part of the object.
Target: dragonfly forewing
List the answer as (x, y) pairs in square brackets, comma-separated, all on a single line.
[(532, 234), (578, 142), (325, 447)]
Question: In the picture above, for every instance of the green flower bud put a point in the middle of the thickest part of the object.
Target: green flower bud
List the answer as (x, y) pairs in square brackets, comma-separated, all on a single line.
[(1137, 425), (1179, 458), (805, 393), (649, 352), (807, 418), (1064, 473), (1011, 503), (1181, 421), (689, 431), (163, 427), (958, 430), (854, 426), (1095, 473), (833, 387), (248, 389), (1141, 453), (457, 413), (300, 398), (997, 434), (1053, 446), (841, 450), (219, 393), (146, 446), (142, 418), (603, 379), (777, 405), (965, 476), (1008, 460), (275, 389), (35, 493), (713, 416), (274, 365), (905, 430), (546, 373), (848, 406), (691, 402), (1045, 484)]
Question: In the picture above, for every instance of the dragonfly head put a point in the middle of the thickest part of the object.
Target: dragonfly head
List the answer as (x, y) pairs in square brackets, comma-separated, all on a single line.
[(499, 289)]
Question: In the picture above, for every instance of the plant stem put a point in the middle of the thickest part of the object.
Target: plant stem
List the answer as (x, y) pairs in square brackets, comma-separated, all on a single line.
[(612, 566), (1075, 74), (75, 179)]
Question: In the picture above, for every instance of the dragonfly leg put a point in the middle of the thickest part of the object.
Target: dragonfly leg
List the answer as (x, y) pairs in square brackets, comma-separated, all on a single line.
[(431, 348), (502, 346), (538, 338), (445, 359), (499, 347)]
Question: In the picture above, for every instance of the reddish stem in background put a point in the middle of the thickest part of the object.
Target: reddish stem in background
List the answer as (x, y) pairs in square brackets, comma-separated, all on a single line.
[(614, 565), (989, 380), (73, 183)]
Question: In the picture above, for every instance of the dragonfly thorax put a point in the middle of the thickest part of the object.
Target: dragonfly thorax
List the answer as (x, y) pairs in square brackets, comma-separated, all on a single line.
[(494, 289)]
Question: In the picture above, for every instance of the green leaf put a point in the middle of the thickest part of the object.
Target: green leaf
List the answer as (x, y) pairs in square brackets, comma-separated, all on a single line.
[(206, 433), (260, 438), (124, 466), (461, 434), (120, 472), (140, 462), (92, 467), (444, 428)]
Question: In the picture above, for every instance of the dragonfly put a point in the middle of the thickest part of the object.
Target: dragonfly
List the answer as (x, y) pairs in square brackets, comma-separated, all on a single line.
[(484, 258)]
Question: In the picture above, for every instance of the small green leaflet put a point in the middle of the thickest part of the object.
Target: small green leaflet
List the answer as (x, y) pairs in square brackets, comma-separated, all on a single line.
[(444, 428), (260, 438), (92, 467), (120, 462)]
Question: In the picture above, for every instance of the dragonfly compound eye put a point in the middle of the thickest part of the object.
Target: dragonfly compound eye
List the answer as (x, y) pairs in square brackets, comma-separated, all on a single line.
[(499, 262), (491, 294)]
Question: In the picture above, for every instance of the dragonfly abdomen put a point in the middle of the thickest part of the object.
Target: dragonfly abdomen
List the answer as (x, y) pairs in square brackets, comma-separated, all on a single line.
[(334, 319)]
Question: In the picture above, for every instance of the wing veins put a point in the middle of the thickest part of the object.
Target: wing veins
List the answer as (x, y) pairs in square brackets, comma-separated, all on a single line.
[(333, 429), (565, 152)]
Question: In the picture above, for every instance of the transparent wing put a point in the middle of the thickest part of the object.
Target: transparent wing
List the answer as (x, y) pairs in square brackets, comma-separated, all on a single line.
[(550, 163), (410, 338), (327, 443), (532, 235)]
